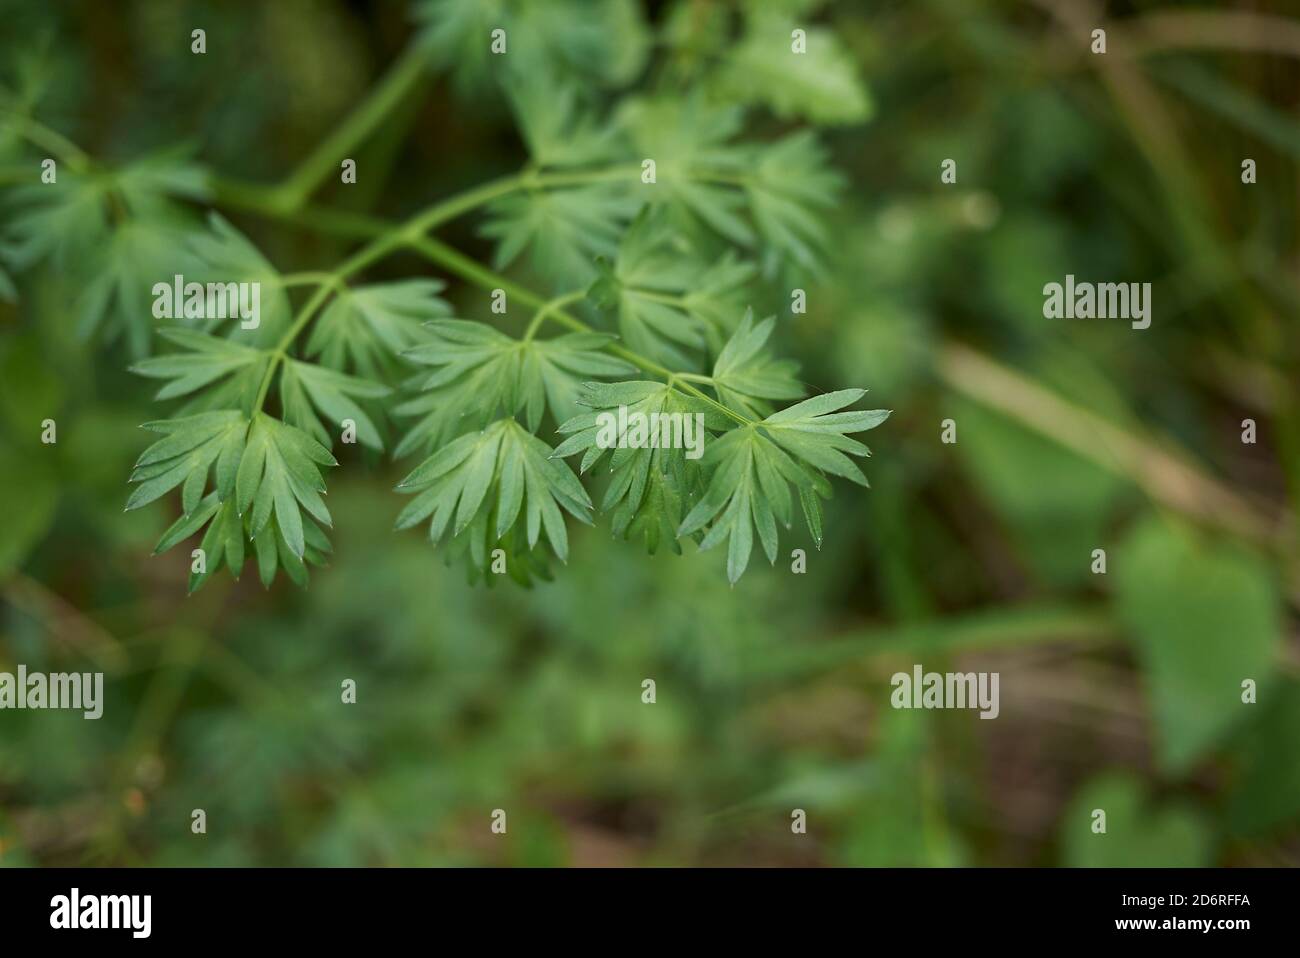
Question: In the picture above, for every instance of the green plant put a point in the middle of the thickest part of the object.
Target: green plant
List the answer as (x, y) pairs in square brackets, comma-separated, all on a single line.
[(654, 218)]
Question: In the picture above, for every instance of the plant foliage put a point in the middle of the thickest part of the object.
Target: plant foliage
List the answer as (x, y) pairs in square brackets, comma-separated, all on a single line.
[(655, 218)]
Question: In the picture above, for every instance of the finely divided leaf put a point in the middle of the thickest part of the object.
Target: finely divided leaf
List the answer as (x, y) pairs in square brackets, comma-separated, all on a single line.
[(496, 478), (365, 329), (746, 375)]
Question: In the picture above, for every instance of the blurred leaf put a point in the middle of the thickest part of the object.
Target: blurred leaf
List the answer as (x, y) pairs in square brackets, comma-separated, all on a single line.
[(820, 84), (1266, 796), (1138, 834), (1056, 502), (563, 230), (1204, 617)]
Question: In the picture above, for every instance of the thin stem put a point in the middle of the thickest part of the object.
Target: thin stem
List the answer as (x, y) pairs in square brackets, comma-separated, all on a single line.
[(403, 234), (16, 174), (357, 262), (413, 235), (609, 174), (363, 121), (38, 134), (307, 279), (547, 308)]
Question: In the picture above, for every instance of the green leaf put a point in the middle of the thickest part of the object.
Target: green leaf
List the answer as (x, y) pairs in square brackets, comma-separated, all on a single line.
[(482, 373), (814, 432), (498, 477), (717, 295), (754, 466), (648, 485), (790, 191), (114, 233), (306, 387), (204, 361), (1056, 503), (365, 328), (1266, 793), (8, 292), (1203, 617), (819, 84), (748, 490), (554, 126), (562, 230), (191, 446), (280, 475), (589, 42), (642, 286), (223, 255), (70, 218), (746, 375), (1139, 834), (697, 170)]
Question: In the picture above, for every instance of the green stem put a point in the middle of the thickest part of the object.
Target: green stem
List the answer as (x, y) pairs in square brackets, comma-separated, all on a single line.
[(403, 234), (357, 262), (38, 134), (413, 234), (547, 308), (307, 279), (16, 174), (608, 174), (361, 123)]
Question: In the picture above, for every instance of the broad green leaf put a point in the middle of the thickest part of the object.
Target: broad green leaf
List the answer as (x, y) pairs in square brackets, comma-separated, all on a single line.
[(1203, 616), (1139, 833), (1266, 793), (1056, 503)]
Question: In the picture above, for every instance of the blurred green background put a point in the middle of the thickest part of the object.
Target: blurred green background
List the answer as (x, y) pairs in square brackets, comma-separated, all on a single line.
[(1119, 691)]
